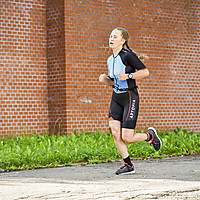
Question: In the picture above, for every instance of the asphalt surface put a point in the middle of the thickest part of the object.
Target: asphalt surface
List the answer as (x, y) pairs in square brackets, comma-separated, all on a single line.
[(172, 178)]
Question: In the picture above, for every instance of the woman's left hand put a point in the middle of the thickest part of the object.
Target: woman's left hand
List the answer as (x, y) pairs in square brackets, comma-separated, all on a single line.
[(122, 76)]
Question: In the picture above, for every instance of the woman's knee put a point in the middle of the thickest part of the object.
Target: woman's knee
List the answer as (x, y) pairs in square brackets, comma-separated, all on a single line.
[(127, 136), (116, 133), (115, 130)]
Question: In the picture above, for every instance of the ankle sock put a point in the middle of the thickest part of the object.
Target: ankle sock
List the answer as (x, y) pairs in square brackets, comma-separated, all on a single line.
[(149, 136), (128, 161)]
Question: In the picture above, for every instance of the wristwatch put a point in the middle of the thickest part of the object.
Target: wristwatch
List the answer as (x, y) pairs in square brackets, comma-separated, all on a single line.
[(130, 75)]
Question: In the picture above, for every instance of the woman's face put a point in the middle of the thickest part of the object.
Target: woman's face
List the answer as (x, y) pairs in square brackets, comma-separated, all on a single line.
[(115, 39)]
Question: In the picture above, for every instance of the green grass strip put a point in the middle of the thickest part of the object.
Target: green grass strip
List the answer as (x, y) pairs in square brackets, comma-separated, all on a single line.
[(28, 152)]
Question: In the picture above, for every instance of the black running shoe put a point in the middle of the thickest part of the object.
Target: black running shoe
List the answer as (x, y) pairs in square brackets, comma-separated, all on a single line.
[(125, 169), (155, 140)]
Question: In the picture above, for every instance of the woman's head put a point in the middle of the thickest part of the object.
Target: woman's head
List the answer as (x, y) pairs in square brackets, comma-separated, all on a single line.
[(124, 33), (119, 39), (116, 39)]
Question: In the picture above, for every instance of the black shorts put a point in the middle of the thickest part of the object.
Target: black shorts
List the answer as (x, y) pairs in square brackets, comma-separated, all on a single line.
[(124, 107)]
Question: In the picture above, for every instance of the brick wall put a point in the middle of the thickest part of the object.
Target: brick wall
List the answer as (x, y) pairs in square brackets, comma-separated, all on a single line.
[(167, 31), (50, 81), (23, 72), (86, 35), (56, 66)]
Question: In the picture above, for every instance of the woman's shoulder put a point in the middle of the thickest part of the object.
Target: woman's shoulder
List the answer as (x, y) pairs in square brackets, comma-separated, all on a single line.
[(126, 53)]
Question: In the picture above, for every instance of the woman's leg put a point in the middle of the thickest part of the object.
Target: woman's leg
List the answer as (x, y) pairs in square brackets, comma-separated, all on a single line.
[(117, 136), (128, 136), (150, 136), (130, 115), (122, 148)]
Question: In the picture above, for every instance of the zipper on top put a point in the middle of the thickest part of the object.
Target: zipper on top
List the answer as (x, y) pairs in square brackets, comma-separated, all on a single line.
[(115, 77)]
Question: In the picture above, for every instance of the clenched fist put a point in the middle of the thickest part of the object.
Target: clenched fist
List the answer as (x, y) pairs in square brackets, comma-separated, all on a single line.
[(102, 78), (122, 76)]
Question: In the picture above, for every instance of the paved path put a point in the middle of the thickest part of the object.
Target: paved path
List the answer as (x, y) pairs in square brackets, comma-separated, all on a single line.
[(167, 179)]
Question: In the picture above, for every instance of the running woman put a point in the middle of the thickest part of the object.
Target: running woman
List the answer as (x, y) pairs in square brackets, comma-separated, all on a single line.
[(124, 68)]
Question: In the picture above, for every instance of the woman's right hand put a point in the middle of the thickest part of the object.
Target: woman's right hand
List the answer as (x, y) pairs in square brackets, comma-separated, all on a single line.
[(102, 78)]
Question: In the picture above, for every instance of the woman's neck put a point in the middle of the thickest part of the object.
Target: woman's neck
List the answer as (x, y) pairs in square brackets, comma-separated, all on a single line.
[(116, 51)]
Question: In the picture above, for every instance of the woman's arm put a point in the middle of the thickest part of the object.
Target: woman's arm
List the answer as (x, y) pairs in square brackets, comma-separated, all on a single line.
[(137, 75)]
